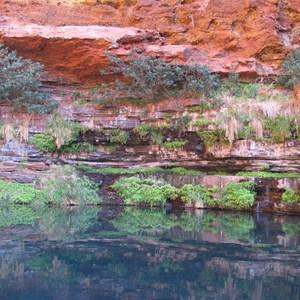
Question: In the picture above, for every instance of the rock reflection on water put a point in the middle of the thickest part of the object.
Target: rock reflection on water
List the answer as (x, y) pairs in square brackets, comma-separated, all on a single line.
[(109, 253)]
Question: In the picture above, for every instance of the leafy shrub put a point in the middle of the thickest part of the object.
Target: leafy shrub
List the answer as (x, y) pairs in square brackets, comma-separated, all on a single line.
[(238, 195), (134, 191), (20, 193), (20, 83), (199, 81), (191, 193), (61, 186), (138, 191), (290, 196), (290, 69), (152, 79), (65, 187), (44, 142)]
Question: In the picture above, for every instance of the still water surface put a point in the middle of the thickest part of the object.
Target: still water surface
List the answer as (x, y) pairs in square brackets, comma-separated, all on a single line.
[(109, 253)]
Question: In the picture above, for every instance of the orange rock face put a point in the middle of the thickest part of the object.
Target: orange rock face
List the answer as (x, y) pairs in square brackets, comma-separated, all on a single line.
[(70, 37)]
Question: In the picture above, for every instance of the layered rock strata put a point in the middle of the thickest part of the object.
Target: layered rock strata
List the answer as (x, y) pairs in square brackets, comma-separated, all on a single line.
[(71, 37)]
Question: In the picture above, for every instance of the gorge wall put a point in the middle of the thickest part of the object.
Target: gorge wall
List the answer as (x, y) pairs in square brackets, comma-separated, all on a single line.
[(71, 38), (250, 37)]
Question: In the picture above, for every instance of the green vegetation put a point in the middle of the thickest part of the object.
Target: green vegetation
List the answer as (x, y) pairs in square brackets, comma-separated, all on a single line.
[(211, 137), (134, 191), (182, 124), (174, 144), (65, 187), (54, 223), (290, 196), (44, 142), (268, 174), (146, 170), (278, 128), (238, 226), (290, 229), (61, 135), (290, 68), (152, 221), (238, 195), (238, 89), (20, 83), (19, 214), (153, 79), (20, 193), (60, 186), (191, 193), (118, 136), (142, 130), (155, 132)]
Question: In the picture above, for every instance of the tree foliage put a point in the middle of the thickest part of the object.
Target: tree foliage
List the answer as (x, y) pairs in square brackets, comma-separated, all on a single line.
[(20, 83), (151, 78), (290, 68)]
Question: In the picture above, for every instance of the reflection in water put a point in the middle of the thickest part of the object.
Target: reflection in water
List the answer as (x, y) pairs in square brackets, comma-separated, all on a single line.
[(108, 253)]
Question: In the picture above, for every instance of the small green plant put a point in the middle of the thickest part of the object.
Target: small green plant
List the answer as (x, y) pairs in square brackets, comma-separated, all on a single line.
[(211, 137), (202, 122), (118, 136), (238, 195), (174, 144), (279, 128), (79, 98), (290, 196), (290, 69), (182, 124), (246, 132), (142, 130), (265, 167), (2, 133), (156, 134), (20, 83)]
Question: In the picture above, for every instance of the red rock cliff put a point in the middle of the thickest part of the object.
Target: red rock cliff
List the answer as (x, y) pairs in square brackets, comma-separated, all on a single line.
[(70, 37)]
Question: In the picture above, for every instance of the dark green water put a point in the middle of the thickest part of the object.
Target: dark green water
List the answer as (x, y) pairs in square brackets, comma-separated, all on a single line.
[(109, 253)]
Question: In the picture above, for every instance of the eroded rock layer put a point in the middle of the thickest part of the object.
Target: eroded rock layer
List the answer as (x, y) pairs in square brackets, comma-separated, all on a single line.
[(70, 37)]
